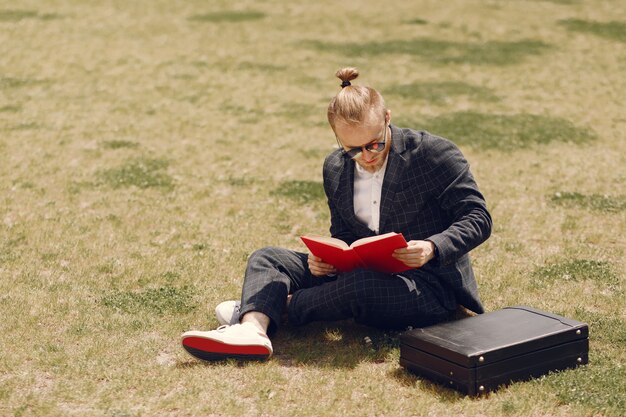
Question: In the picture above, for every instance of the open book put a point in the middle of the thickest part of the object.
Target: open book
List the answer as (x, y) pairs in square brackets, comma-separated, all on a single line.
[(370, 252)]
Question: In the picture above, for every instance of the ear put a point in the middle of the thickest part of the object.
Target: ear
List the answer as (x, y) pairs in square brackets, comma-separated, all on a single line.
[(388, 116)]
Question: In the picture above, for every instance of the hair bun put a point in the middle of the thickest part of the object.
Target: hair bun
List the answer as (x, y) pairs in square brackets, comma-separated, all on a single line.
[(346, 75)]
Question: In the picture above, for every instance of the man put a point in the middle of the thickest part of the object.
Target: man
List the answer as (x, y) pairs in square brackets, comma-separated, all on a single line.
[(382, 179)]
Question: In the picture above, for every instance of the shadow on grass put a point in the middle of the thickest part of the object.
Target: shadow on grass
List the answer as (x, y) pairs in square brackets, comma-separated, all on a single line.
[(438, 51), (229, 16), (442, 393), (440, 92), (325, 345), (337, 345), (609, 30), (341, 344), (505, 132)]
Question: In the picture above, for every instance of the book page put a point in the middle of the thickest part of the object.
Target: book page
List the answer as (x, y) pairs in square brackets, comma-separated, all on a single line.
[(366, 240), (331, 241)]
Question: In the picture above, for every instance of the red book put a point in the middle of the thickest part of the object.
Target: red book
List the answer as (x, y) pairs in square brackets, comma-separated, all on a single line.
[(370, 252)]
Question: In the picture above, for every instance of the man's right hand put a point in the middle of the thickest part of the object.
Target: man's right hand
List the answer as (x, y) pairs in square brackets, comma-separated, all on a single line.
[(319, 268)]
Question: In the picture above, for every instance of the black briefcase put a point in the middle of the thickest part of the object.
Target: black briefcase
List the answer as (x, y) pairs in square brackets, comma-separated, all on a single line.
[(477, 354)]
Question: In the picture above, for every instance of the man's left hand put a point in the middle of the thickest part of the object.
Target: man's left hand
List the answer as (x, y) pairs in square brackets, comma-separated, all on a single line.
[(416, 254)]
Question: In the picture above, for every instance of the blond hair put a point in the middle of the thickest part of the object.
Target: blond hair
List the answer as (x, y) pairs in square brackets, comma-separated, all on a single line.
[(354, 102)]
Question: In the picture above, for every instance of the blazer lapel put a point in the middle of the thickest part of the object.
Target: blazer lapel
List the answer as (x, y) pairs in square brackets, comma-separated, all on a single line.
[(393, 174), (344, 200)]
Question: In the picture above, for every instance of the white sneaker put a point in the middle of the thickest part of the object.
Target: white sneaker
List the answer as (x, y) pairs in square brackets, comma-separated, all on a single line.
[(227, 312), (240, 341)]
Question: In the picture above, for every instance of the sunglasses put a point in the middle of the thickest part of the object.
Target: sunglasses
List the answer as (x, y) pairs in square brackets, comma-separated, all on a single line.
[(376, 147)]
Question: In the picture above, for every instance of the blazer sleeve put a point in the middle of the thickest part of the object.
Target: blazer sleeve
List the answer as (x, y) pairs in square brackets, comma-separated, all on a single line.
[(461, 201)]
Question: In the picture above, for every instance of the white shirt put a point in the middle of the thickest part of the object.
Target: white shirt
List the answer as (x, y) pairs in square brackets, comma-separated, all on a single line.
[(368, 188)]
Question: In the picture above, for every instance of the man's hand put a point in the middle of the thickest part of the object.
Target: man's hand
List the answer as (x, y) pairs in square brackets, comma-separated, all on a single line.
[(319, 268), (416, 254)]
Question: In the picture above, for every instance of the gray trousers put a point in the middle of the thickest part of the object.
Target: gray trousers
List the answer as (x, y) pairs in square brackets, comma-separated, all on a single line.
[(370, 298)]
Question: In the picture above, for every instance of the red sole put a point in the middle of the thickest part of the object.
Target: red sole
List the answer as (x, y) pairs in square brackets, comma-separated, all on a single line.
[(213, 346)]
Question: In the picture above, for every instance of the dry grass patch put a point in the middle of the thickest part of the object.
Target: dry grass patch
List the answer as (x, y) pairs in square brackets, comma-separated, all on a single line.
[(147, 148)]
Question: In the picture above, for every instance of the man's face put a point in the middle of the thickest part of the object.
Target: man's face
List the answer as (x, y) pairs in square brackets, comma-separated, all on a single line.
[(373, 129)]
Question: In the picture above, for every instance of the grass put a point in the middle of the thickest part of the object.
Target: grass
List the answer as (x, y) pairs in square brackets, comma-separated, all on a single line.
[(594, 389), (142, 173), (228, 16), (506, 132), (119, 144), (10, 109), (439, 51), (610, 30), (18, 15), (441, 92), (417, 21), (602, 203), (148, 148), (7, 83), (301, 191), (599, 272), (609, 328), (162, 300)]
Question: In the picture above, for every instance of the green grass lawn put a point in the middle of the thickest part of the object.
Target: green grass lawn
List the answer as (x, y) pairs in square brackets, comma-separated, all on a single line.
[(148, 147)]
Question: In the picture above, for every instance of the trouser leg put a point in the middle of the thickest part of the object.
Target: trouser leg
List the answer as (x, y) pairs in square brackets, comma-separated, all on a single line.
[(371, 298), (271, 274)]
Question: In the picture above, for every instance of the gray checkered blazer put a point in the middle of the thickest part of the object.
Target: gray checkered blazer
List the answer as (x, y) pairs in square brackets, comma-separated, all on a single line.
[(428, 193)]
